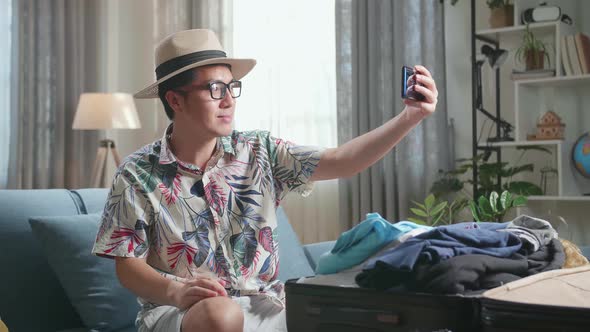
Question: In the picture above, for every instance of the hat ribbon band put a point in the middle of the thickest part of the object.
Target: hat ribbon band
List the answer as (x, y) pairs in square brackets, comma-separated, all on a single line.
[(174, 64)]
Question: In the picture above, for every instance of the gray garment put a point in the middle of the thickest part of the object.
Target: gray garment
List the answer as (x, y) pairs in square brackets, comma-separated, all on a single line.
[(541, 228), (530, 242), (534, 232)]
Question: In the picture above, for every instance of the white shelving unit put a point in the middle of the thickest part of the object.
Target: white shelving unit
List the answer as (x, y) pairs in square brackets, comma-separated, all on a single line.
[(523, 102)]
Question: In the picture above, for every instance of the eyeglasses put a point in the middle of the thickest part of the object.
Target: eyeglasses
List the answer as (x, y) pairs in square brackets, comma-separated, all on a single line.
[(218, 89)]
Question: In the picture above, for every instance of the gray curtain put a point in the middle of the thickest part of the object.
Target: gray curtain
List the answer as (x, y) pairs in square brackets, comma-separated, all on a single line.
[(55, 60), (176, 15), (374, 39)]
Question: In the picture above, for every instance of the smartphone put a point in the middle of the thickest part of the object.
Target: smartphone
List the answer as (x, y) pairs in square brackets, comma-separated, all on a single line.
[(409, 85)]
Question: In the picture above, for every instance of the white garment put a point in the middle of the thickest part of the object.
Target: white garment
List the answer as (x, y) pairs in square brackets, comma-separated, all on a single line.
[(260, 314)]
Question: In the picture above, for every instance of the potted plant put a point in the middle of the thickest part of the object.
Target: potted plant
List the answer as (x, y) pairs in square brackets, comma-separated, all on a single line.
[(502, 13), (532, 51), (495, 207)]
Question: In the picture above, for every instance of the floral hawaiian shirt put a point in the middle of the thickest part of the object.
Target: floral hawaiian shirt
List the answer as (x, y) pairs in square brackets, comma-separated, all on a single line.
[(219, 221)]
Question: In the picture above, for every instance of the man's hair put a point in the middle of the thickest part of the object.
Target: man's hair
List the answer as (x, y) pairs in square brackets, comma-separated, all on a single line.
[(175, 82)]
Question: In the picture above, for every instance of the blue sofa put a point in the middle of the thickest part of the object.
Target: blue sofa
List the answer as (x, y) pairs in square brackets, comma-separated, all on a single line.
[(38, 292)]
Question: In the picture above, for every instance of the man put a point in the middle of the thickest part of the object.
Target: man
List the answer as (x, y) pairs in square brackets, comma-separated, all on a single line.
[(190, 219)]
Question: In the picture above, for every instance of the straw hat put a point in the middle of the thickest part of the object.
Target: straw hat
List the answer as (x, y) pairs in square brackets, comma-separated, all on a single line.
[(189, 49)]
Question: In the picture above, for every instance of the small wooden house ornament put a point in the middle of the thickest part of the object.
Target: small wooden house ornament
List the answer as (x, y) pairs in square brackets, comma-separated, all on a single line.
[(549, 127)]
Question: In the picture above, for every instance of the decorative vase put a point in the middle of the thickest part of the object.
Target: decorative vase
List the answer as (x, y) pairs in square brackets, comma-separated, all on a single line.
[(502, 17), (534, 59)]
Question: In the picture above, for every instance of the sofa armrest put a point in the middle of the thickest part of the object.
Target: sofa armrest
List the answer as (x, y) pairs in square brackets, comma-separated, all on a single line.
[(313, 251)]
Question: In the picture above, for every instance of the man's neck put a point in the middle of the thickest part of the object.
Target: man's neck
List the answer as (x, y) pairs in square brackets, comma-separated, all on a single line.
[(188, 147)]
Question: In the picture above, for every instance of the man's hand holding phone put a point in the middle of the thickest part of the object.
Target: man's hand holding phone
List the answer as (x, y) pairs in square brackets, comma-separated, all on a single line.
[(419, 90)]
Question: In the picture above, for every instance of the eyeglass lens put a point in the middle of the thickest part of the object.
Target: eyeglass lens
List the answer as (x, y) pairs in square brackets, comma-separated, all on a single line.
[(218, 89)]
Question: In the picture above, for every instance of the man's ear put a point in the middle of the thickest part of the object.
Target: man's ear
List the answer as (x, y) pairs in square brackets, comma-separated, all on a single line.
[(174, 100)]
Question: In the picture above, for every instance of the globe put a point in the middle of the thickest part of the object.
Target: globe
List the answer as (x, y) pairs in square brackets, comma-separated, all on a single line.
[(581, 154)]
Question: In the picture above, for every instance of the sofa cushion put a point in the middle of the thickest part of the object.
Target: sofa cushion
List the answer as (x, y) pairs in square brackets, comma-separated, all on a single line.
[(314, 251), (91, 200), (90, 282), (293, 262), (27, 282)]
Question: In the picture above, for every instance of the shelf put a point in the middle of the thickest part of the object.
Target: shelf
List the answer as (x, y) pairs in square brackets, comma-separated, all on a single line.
[(556, 81), (521, 143), (538, 28), (560, 198)]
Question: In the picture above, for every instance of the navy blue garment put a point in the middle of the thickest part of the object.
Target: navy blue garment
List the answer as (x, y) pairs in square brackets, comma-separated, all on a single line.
[(448, 241), (395, 266)]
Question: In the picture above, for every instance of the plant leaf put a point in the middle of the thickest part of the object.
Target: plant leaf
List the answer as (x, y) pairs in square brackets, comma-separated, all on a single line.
[(484, 206), (515, 170), (535, 147), (505, 200), (437, 219), (494, 201), (429, 202), (520, 201), (437, 209), (473, 209), (419, 212), (419, 205), (524, 188)]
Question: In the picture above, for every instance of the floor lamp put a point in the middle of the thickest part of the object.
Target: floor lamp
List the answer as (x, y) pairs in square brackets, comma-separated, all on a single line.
[(101, 111)]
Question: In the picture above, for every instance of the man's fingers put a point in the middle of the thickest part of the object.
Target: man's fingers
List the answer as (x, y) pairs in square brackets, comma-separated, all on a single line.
[(422, 70), (200, 292), (208, 283), (211, 284), (428, 95), (428, 82)]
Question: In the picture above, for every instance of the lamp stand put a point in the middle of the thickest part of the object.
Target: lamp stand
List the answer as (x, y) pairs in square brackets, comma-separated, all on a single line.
[(98, 178)]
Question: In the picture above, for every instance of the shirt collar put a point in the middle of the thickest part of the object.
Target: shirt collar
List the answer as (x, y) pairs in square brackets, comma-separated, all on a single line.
[(168, 157)]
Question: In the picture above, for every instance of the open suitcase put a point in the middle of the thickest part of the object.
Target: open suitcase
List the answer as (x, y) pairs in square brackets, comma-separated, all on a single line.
[(551, 301)]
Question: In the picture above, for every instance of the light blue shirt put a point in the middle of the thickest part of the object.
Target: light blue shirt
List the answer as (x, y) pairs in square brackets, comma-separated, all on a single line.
[(360, 242)]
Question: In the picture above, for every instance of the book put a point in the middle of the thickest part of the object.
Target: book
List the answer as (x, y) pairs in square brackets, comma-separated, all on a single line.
[(583, 47), (567, 67), (573, 55), (540, 73)]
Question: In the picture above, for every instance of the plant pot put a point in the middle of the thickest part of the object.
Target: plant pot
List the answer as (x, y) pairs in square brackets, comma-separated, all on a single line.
[(534, 60), (502, 17)]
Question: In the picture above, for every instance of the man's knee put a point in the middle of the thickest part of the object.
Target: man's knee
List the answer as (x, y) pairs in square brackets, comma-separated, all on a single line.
[(214, 314)]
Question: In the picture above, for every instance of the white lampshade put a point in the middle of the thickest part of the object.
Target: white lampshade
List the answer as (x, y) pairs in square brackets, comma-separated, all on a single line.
[(106, 111)]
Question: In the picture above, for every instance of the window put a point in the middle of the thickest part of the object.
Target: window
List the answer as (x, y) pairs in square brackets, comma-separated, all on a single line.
[(292, 91)]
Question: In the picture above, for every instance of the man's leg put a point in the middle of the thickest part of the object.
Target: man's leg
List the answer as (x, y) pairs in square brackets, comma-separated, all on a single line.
[(214, 314)]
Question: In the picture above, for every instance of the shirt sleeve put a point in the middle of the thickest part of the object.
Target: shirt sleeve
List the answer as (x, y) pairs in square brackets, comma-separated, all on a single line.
[(292, 166), (125, 220)]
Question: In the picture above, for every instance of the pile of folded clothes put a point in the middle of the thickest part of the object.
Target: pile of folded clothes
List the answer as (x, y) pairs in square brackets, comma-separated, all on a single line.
[(463, 258)]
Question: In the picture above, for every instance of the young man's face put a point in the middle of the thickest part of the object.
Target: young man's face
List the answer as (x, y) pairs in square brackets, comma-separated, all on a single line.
[(208, 116)]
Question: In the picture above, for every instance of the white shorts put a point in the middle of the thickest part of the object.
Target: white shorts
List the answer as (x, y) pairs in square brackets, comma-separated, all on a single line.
[(260, 314)]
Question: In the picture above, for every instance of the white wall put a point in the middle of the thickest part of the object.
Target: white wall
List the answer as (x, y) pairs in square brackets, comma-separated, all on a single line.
[(458, 67)]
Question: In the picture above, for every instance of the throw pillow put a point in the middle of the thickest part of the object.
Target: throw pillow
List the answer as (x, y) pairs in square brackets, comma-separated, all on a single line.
[(89, 281), (293, 262)]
